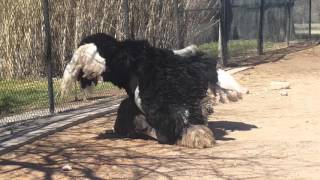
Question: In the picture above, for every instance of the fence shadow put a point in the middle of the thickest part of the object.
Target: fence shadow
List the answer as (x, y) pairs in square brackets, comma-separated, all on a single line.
[(104, 159), (113, 159), (270, 56)]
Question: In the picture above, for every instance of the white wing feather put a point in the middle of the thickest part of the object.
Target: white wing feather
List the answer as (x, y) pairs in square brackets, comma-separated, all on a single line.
[(87, 59)]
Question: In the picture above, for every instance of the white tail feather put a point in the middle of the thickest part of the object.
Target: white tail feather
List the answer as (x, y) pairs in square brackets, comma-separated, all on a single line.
[(187, 51), (226, 81), (87, 59), (228, 88)]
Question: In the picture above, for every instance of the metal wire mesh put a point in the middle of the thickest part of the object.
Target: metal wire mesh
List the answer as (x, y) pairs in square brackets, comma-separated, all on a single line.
[(23, 75), (200, 24)]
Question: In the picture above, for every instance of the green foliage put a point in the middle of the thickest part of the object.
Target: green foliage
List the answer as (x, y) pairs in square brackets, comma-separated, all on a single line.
[(18, 96), (236, 47), (8, 104), (210, 48)]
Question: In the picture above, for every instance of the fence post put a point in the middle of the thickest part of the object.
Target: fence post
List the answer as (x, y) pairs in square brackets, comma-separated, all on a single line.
[(289, 20), (223, 39), (310, 4), (177, 23), (260, 30), (125, 7), (48, 58)]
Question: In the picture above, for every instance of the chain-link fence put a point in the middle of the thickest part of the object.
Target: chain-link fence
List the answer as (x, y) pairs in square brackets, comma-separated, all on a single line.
[(235, 30), (24, 68), (251, 27)]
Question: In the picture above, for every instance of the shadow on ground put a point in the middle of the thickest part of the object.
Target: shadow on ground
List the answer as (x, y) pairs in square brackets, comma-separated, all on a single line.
[(270, 56), (113, 157), (219, 128)]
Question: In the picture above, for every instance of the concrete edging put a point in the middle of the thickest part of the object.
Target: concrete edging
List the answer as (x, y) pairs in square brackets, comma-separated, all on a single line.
[(74, 118)]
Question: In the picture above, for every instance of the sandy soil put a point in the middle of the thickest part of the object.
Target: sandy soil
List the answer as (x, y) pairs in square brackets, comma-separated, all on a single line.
[(265, 136)]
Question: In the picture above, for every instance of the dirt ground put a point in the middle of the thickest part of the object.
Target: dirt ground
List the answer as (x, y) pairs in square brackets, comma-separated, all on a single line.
[(264, 136)]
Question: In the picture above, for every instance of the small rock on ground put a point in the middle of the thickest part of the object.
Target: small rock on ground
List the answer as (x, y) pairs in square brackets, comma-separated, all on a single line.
[(67, 167)]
